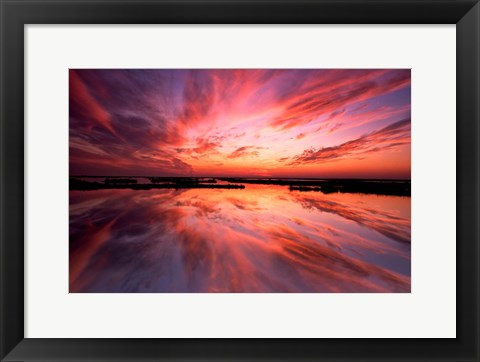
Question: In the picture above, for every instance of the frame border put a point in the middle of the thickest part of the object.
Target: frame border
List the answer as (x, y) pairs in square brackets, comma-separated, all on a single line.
[(16, 13)]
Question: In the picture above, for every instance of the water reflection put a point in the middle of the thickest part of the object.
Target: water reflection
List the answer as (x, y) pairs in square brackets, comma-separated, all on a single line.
[(264, 238)]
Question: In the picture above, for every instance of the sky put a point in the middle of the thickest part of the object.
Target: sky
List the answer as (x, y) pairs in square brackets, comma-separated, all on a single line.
[(315, 123)]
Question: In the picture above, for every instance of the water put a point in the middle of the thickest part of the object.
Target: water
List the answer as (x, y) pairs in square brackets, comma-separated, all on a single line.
[(263, 238)]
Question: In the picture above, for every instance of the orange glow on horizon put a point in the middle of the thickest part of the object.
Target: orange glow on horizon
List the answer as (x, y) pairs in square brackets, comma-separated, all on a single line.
[(241, 122)]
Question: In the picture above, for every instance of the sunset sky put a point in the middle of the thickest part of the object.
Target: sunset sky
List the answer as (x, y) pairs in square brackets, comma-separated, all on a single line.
[(240, 122)]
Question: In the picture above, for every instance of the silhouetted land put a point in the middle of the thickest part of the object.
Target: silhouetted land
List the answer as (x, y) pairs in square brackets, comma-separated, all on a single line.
[(378, 187), (196, 180), (76, 184), (120, 181)]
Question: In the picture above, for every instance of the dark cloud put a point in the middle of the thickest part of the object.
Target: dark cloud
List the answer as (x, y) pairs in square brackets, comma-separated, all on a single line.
[(392, 136), (328, 96), (245, 151)]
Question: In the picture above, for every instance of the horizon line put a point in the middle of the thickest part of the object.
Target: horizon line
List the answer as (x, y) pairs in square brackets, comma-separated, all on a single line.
[(255, 177)]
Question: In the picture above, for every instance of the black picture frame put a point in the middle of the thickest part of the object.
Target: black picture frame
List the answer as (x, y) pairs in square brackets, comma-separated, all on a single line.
[(15, 14)]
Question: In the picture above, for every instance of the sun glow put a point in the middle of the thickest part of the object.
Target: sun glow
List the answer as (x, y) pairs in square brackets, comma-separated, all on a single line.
[(256, 122)]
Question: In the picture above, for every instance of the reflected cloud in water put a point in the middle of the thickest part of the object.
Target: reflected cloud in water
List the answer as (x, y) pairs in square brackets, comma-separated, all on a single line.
[(260, 239)]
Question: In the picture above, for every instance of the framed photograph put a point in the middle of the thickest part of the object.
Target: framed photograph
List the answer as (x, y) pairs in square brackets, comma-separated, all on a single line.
[(240, 180)]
